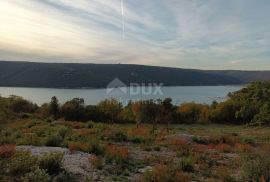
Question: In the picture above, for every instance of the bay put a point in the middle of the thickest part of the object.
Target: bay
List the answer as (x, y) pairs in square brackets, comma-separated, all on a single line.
[(179, 94)]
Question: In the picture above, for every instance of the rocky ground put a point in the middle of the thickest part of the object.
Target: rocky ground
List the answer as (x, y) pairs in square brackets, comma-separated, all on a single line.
[(78, 163)]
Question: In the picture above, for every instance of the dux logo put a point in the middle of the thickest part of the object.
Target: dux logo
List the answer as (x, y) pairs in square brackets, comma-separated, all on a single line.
[(116, 85)]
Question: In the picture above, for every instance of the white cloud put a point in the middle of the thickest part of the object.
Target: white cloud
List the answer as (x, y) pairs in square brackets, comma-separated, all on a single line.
[(184, 33)]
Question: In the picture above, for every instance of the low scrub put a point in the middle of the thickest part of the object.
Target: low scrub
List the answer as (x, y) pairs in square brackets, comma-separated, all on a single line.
[(119, 155), (7, 151), (256, 167), (187, 164), (165, 173), (52, 163), (36, 175)]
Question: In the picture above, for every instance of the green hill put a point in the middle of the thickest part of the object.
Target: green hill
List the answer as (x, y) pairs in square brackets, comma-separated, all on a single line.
[(72, 75)]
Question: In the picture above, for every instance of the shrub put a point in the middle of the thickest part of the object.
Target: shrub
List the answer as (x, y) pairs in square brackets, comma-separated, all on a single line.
[(54, 141), (199, 148), (250, 141), (200, 140), (256, 167), (51, 162), (96, 148), (243, 147), (215, 140), (62, 132), (224, 174), (63, 177), (36, 175), (90, 124), (119, 155), (181, 146), (97, 162), (192, 113), (222, 147), (7, 151), (137, 140), (120, 137), (187, 164), (77, 146), (178, 142), (21, 162), (140, 134), (164, 173), (263, 117)]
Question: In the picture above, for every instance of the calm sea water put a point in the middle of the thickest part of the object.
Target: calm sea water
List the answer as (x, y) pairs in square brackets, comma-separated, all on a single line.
[(179, 94)]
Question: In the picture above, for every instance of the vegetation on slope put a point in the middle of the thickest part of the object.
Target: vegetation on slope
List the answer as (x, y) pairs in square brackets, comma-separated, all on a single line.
[(66, 75), (250, 105), (151, 148)]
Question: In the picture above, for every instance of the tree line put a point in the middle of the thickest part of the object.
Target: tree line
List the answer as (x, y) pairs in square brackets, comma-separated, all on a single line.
[(250, 105)]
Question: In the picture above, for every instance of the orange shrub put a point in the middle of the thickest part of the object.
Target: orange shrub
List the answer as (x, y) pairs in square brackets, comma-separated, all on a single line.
[(243, 147), (84, 132), (118, 154), (114, 151), (141, 131), (221, 147), (7, 151), (199, 148), (178, 141), (161, 173), (77, 146)]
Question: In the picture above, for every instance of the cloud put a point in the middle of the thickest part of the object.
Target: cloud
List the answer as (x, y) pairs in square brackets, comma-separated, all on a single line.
[(206, 34)]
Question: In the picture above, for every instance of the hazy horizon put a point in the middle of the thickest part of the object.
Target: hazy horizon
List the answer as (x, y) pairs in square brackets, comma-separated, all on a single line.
[(202, 34), (60, 62)]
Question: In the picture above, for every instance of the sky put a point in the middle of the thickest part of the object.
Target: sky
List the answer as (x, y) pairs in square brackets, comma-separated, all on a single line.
[(203, 34)]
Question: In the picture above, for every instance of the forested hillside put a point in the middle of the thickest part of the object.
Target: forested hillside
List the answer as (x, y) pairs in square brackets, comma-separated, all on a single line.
[(58, 75)]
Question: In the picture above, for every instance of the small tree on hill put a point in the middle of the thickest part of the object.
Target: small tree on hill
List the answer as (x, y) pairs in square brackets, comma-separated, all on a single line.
[(111, 108), (54, 107)]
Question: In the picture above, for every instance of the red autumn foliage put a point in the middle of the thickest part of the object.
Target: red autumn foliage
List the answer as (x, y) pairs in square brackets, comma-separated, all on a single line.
[(243, 147), (77, 146), (117, 152), (199, 148), (84, 132), (221, 147), (7, 151), (141, 131), (178, 141)]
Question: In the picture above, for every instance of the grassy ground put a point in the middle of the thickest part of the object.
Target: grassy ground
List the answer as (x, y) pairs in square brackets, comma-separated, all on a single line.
[(123, 152)]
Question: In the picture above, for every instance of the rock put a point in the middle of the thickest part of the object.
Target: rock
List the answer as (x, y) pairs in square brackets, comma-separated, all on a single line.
[(143, 170), (76, 163)]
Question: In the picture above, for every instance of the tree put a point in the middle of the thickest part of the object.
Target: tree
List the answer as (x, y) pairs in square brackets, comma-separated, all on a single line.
[(127, 114), (152, 112), (44, 111), (18, 104), (167, 111), (137, 112), (263, 117), (110, 108), (54, 107), (74, 110)]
